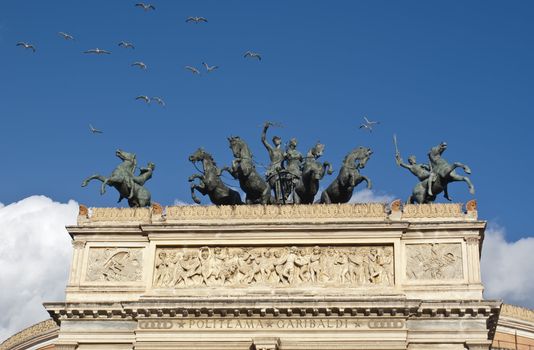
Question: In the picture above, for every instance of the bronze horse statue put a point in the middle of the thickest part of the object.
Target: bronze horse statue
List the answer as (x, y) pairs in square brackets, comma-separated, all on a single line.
[(124, 181), (340, 190), (257, 190), (312, 172), (442, 173), (210, 181)]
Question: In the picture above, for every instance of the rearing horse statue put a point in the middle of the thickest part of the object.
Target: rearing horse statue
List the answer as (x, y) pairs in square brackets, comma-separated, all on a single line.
[(251, 182), (210, 181), (312, 172), (442, 173), (124, 181), (340, 190)]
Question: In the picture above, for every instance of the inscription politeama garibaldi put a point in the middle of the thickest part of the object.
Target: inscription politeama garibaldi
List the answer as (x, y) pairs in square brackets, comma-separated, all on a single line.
[(321, 276)]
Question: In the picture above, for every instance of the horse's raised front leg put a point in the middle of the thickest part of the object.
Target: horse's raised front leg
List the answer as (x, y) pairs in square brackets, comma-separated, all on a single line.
[(195, 176), (455, 177), (93, 177), (369, 184), (229, 171), (463, 166), (200, 188), (101, 178)]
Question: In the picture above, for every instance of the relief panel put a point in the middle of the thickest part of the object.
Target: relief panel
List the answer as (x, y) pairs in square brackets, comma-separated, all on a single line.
[(241, 267), (114, 265), (434, 261)]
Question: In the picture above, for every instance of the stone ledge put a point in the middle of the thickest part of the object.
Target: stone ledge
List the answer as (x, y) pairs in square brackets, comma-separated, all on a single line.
[(247, 213)]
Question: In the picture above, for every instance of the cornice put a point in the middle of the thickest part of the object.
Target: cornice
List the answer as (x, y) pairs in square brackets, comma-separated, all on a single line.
[(37, 333)]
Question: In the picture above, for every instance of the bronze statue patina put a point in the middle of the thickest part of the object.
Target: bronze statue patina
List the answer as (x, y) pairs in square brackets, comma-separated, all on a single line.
[(125, 182), (341, 189), (293, 160), (312, 172), (251, 182), (440, 174), (276, 154), (421, 171), (210, 182), (279, 178)]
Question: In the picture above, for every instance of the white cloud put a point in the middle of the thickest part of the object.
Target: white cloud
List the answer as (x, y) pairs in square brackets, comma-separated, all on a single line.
[(508, 268), (369, 196), (180, 202), (35, 253)]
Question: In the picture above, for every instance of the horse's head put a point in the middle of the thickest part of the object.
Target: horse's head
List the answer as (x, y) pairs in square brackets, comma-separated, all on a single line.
[(239, 147), (366, 155), (316, 151), (199, 155), (235, 146), (359, 156), (125, 156), (442, 147)]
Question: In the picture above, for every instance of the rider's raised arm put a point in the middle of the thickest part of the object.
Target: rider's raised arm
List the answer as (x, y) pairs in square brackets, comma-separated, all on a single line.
[(264, 137), (402, 164)]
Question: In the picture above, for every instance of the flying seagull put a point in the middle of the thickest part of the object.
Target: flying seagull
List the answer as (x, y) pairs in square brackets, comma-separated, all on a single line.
[(66, 36), (141, 65), (26, 46), (98, 51), (144, 98), (252, 55), (126, 45), (145, 7), (159, 100), (192, 69), (368, 125), (209, 68), (95, 131), (196, 19)]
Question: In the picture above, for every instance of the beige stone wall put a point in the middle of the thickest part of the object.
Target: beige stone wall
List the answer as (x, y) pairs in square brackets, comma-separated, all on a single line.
[(350, 276)]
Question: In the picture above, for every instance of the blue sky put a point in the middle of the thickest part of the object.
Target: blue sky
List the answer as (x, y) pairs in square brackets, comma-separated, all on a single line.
[(428, 70)]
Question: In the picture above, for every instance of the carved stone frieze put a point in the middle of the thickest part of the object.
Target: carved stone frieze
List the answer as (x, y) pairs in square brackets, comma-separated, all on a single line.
[(114, 265), (27, 335), (439, 261), (241, 267), (517, 312), (339, 211), (433, 210), (120, 214)]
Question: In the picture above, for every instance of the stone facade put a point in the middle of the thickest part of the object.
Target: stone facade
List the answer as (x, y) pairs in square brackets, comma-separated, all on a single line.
[(350, 276)]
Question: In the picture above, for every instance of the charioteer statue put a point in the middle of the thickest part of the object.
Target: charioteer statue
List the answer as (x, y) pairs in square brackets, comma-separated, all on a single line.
[(284, 169)]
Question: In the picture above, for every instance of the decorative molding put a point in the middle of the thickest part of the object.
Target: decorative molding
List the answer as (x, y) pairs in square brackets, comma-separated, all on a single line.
[(472, 240), (373, 211), (310, 308), (115, 265), (433, 210), (274, 267), (77, 244), (513, 311), (120, 214), (266, 212), (37, 331), (438, 261)]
